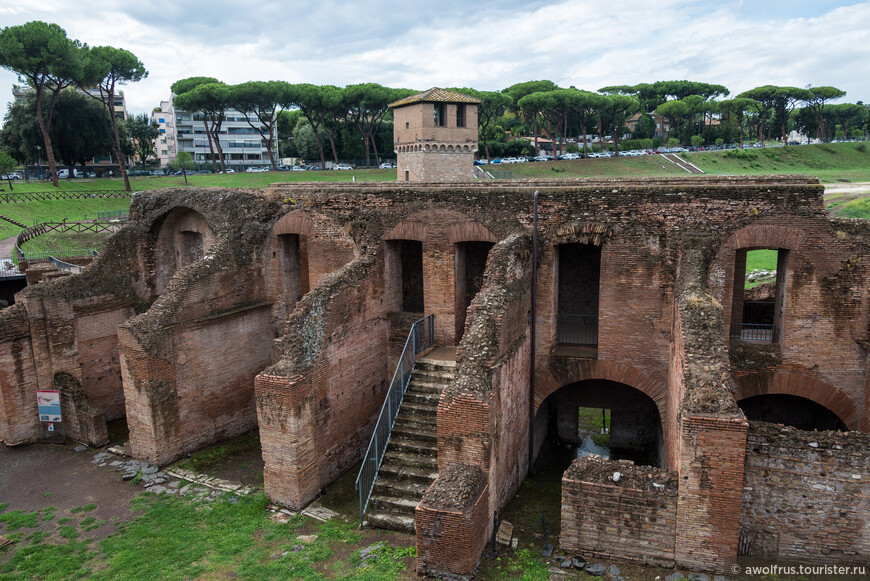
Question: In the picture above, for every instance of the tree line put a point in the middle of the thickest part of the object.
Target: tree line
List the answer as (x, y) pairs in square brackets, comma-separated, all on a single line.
[(327, 120)]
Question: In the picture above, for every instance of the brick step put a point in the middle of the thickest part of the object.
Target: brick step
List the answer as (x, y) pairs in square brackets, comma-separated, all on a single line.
[(416, 422), (393, 522), (406, 489), (434, 375), (410, 460), (422, 398), (428, 436), (393, 504), (435, 365), (400, 472), (412, 447), (413, 408), (426, 385)]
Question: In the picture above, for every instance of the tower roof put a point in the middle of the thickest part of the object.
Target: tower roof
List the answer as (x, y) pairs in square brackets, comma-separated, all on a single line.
[(435, 95)]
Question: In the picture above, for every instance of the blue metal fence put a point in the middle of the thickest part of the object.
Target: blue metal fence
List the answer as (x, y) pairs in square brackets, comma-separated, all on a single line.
[(421, 336)]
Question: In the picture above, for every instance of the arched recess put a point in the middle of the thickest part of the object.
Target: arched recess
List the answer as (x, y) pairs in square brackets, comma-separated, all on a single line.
[(762, 322), (790, 410), (603, 417), (800, 385), (183, 237), (471, 242), (286, 259), (403, 263), (569, 371)]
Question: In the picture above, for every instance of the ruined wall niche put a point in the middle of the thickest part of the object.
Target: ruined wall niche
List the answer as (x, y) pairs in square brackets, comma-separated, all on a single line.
[(403, 265), (758, 321), (183, 237), (286, 259)]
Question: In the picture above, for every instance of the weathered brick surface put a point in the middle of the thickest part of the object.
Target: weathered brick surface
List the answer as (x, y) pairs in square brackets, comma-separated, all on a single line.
[(19, 421), (806, 495), (633, 517), (453, 522), (711, 480)]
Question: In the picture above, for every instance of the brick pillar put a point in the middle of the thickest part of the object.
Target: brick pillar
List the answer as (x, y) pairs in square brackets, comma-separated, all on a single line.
[(151, 399), (452, 522), (712, 456), (288, 439)]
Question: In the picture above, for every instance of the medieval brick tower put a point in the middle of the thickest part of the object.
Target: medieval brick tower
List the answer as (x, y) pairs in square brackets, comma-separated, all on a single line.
[(435, 136)]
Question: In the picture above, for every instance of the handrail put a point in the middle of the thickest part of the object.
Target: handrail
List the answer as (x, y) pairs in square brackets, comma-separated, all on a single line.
[(65, 266), (420, 337)]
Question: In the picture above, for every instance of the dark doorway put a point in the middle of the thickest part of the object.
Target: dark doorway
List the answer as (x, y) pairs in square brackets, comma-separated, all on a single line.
[(579, 271), (470, 260), (790, 410), (294, 277), (625, 420), (411, 260)]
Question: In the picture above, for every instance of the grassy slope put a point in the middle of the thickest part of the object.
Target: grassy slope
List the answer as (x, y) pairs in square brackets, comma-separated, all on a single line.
[(831, 162)]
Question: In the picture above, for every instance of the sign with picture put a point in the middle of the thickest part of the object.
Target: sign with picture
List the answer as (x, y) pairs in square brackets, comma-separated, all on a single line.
[(48, 405)]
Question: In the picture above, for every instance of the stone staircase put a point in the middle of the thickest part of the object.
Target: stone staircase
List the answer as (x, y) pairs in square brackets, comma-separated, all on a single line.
[(411, 460)]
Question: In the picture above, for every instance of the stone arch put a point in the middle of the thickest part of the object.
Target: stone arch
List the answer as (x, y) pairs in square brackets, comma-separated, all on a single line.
[(408, 230), (764, 236), (296, 222), (469, 232), (801, 385), (579, 232), (577, 370), (183, 236)]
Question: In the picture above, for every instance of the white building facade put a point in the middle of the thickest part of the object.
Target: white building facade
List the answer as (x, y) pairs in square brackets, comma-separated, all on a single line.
[(185, 131)]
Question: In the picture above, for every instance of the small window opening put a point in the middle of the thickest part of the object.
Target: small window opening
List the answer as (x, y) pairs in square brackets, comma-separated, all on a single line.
[(460, 115), (440, 120), (759, 291)]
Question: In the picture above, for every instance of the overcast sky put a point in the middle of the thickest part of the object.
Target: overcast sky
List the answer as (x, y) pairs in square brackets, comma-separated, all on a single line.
[(486, 45)]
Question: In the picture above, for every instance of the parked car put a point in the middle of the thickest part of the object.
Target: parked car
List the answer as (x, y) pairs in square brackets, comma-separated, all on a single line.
[(297, 168), (11, 176), (230, 170), (480, 162), (386, 165), (341, 166), (253, 170)]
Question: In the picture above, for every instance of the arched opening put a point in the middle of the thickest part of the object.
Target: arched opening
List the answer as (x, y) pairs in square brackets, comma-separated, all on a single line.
[(598, 416), (183, 237), (758, 304), (790, 410), (578, 272), (470, 263), (405, 275)]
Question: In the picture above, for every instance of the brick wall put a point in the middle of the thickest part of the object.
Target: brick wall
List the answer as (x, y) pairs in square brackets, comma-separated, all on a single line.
[(806, 495), (453, 523), (19, 421), (711, 482), (97, 341), (435, 166), (632, 517), (317, 405)]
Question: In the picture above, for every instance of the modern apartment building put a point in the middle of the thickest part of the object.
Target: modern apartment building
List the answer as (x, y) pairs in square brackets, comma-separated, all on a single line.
[(119, 106), (185, 131)]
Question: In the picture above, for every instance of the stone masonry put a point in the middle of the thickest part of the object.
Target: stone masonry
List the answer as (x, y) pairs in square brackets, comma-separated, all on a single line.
[(215, 311)]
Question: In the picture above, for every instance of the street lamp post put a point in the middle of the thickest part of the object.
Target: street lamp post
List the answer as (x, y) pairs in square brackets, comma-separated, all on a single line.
[(39, 162)]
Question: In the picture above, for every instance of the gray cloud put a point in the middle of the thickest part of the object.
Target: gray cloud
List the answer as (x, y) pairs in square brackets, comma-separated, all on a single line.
[(585, 43)]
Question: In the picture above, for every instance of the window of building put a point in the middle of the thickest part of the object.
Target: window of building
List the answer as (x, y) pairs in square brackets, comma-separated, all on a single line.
[(440, 120), (162, 152), (161, 120), (460, 115), (162, 131), (758, 303)]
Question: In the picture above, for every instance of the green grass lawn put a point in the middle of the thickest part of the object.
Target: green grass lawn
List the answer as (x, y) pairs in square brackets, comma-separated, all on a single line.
[(180, 539), (233, 180), (32, 212), (828, 162)]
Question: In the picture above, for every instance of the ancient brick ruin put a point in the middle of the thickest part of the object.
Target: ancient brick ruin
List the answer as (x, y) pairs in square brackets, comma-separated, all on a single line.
[(217, 311)]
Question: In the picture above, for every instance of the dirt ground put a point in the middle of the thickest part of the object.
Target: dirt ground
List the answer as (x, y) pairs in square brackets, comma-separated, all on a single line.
[(37, 476)]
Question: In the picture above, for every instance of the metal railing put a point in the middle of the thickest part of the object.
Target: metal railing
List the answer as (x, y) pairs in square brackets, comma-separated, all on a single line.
[(31, 256), (65, 266), (754, 332), (114, 215), (577, 330), (71, 195), (421, 336)]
